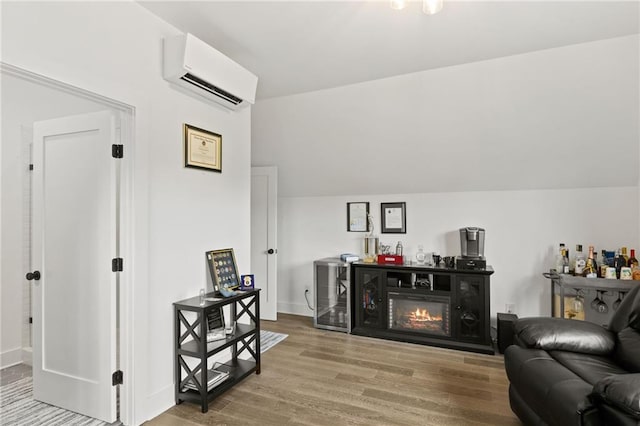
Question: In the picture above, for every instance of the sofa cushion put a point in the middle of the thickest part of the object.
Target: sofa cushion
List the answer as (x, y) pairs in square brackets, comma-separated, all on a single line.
[(621, 391), (627, 352), (555, 393), (564, 335), (591, 368)]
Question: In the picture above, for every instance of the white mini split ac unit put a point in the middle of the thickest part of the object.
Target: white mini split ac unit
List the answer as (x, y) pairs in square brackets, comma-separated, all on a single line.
[(191, 63)]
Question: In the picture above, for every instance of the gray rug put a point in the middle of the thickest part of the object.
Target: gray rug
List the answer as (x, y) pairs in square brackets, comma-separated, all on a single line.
[(269, 339), (19, 409)]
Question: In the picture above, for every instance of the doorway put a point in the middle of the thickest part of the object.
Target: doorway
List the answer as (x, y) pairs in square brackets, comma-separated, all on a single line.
[(28, 98)]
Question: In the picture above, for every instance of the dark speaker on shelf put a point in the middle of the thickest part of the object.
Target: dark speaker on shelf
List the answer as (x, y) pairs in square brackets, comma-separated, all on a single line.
[(506, 323)]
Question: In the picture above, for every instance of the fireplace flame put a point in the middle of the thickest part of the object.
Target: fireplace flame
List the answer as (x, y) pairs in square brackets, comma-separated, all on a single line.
[(424, 315)]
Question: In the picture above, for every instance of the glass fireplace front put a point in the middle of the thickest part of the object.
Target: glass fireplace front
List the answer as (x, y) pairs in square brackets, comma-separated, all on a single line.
[(419, 313)]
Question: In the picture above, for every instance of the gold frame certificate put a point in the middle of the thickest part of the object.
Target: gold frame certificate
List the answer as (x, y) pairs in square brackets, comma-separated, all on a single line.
[(202, 149)]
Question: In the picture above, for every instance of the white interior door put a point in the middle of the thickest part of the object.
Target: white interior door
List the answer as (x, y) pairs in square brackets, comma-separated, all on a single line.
[(264, 219), (74, 240)]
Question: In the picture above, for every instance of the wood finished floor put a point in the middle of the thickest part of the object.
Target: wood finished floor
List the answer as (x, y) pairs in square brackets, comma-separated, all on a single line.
[(319, 377)]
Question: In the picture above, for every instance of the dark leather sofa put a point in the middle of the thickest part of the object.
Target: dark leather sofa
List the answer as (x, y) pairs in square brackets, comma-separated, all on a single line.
[(569, 372)]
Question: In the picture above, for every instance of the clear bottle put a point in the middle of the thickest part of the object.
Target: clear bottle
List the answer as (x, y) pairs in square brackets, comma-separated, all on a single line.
[(399, 249), (632, 259), (590, 269), (565, 262), (559, 259), (420, 255), (579, 262)]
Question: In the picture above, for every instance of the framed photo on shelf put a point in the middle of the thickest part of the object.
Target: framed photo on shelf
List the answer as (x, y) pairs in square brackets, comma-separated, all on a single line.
[(223, 269), (202, 149), (215, 320), (393, 218), (357, 217), (247, 282)]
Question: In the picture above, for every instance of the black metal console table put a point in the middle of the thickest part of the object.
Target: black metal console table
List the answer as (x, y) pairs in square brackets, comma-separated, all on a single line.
[(190, 342)]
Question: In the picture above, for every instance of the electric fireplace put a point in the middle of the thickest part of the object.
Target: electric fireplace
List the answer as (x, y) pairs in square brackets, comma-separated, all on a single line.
[(419, 313)]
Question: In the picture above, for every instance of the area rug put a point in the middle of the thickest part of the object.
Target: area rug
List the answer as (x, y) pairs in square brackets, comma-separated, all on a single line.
[(269, 339), (17, 407)]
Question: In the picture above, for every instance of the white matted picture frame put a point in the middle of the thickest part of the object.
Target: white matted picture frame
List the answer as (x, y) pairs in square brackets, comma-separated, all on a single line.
[(357, 217), (393, 218)]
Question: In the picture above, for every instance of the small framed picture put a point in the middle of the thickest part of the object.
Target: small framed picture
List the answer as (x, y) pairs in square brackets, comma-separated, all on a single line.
[(223, 269), (247, 282), (202, 149), (394, 218), (357, 217), (215, 320)]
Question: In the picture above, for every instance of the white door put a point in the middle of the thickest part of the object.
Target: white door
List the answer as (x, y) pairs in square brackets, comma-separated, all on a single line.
[(264, 203), (74, 241)]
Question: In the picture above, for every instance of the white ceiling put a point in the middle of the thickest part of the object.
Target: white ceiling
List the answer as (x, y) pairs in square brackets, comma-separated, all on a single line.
[(297, 47)]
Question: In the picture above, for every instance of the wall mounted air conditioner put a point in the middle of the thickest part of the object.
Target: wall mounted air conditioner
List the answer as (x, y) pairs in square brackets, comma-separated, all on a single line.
[(198, 67)]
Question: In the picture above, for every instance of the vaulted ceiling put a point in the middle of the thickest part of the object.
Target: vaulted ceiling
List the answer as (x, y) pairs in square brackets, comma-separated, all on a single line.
[(302, 46)]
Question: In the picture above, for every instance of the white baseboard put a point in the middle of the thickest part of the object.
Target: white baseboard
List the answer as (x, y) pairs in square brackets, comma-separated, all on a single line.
[(159, 402), (295, 309), (27, 356), (11, 357)]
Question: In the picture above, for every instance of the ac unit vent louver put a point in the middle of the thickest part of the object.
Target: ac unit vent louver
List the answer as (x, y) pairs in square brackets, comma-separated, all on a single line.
[(190, 78)]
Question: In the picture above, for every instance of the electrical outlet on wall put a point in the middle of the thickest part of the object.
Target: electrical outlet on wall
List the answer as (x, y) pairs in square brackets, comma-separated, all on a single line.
[(510, 308)]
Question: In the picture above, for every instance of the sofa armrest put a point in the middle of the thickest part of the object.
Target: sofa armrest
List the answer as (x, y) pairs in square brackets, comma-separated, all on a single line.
[(558, 334), (621, 391)]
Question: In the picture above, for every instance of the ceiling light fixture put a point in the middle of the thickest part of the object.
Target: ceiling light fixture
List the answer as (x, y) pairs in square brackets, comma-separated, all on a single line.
[(398, 4), (429, 7)]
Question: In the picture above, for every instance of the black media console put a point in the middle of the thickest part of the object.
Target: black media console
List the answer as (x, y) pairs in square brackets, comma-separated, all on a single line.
[(444, 307)]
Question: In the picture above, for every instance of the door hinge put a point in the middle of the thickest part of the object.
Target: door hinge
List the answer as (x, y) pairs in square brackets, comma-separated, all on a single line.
[(30, 166), (117, 378), (117, 264), (30, 320), (117, 151)]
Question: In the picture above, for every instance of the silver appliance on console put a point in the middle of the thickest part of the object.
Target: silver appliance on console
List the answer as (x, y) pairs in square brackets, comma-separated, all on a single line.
[(471, 248)]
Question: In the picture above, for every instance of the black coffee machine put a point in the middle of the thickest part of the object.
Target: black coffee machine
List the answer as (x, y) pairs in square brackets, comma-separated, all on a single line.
[(471, 248)]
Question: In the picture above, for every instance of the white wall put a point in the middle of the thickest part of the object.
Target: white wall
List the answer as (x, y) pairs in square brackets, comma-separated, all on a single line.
[(23, 103), (114, 49), (538, 149), (523, 229)]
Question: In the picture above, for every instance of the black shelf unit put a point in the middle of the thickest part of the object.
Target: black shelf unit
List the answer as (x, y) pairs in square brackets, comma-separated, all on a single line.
[(466, 290), (190, 342)]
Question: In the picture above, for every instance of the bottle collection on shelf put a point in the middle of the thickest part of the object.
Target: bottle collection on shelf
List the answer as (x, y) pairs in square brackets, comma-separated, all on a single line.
[(614, 264)]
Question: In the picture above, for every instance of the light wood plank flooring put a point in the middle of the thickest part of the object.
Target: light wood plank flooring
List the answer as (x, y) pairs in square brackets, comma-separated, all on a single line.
[(318, 377)]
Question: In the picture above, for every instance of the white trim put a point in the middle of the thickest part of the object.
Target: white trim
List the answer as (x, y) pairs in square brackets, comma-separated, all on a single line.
[(295, 309), (27, 355), (10, 357), (128, 126), (158, 402)]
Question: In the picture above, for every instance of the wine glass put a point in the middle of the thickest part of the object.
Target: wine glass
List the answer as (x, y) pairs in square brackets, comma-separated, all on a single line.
[(603, 308), (618, 301), (578, 302), (594, 302)]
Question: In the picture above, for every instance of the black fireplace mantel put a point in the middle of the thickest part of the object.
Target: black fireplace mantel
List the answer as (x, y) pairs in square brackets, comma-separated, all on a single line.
[(464, 294)]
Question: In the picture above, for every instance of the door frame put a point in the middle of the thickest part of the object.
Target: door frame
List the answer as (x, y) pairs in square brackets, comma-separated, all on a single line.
[(125, 250)]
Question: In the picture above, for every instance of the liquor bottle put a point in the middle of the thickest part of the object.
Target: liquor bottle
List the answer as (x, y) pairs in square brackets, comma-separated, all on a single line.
[(603, 265), (618, 263), (559, 259), (590, 269), (399, 249), (632, 260), (580, 261), (623, 253), (565, 261)]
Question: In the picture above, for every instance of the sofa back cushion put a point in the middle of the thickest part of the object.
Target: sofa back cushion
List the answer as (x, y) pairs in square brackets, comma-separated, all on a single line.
[(628, 313), (627, 352)]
